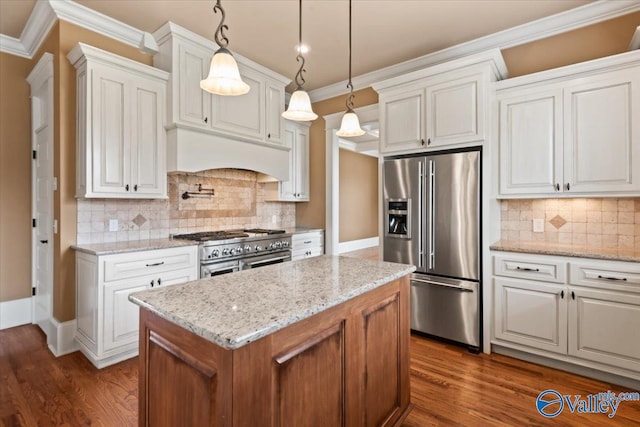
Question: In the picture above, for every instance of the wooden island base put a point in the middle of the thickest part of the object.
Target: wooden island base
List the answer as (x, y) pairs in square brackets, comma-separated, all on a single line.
[(345, 366)]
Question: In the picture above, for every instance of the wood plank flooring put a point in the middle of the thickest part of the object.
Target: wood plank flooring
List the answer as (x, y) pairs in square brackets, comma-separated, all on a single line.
[(449, 387)]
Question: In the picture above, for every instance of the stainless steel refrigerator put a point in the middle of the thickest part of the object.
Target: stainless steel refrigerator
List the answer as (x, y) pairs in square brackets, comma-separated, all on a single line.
[(432, 220)]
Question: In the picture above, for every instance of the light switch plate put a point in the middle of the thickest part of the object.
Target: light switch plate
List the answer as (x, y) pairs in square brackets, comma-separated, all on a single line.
[(538, 225), (113, 225)]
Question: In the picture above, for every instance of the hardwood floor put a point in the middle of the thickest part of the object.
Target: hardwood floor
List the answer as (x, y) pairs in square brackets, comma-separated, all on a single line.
[(449, 387)]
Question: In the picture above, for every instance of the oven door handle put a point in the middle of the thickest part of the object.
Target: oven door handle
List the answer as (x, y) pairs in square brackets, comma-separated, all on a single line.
[(265, 261)]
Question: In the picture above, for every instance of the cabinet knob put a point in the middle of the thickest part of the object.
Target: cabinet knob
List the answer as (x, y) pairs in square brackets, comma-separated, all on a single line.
[(429, 141), (135, 187), (573, 295), (562, 295), (422, 141), (206, 119), (568, 186), (159, 281), (268, 135), (44, 241), (557, 186), (152, 283), (126, 187)]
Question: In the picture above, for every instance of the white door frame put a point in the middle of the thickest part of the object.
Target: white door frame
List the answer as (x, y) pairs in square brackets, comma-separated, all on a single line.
[(332, 122), (42, 111)]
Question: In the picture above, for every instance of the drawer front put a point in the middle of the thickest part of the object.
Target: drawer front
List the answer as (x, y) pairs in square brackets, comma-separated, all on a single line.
[(533, 268), (306, 253), (307, 241), (606, 275), (136, 264)]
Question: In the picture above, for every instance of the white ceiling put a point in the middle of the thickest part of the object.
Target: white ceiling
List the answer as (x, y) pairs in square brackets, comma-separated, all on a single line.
[(384, 32)]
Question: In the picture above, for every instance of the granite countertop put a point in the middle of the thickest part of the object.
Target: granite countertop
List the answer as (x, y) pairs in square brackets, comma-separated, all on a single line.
[(564, 249), (232, 310), (132, 246), (298, 230)]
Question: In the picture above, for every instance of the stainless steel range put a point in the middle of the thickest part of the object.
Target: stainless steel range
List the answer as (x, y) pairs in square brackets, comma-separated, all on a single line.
[(228, 251)]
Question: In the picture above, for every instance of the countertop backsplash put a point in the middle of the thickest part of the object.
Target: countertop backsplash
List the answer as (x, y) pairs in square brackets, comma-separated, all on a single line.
[(602, 223), (238, 202)]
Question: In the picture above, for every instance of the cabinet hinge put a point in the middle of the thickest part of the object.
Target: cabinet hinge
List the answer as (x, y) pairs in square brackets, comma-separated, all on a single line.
[(34, 154), (33, 222)]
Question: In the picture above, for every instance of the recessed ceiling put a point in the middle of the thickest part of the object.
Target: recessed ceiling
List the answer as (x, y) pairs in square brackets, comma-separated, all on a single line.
[(384, 32)]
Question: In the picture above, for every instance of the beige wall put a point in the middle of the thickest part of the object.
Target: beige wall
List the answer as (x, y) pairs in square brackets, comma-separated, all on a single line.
[(312, 213), (15, 178), (358, 196), (595, 41)]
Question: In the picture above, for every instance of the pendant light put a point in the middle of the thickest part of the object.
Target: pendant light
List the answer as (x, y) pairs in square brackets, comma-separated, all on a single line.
[(224, 77), (300, 104), (350, 125)]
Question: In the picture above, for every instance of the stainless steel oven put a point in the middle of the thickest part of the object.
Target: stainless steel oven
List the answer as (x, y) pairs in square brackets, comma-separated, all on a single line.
[(264, 260), (218, 268)]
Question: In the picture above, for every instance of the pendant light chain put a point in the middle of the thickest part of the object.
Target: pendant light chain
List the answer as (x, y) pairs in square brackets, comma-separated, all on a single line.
[(220, 36), (300, 81), (349, 102)]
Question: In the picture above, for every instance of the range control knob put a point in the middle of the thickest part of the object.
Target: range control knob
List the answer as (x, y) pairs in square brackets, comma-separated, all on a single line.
[(238, 250), (214, 253), (258, 248), (247, 249), (225, 251), (271, 246), (285, 244), (278, 244)]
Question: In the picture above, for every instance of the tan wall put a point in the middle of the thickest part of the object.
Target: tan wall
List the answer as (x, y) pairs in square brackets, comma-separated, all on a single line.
[(15, 178), (595, 41), (312, 214), (358, 196)]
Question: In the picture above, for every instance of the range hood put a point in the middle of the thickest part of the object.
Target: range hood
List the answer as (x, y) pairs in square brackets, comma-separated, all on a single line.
[(195, 151)]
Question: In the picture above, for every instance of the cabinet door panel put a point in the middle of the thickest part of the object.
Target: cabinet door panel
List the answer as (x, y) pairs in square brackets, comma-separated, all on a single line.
[(455, 112), (120, 314), (243, 114), (148, 140), (274, 109), (110, 133), (194, 102), (602, 145), (287, 188), (531, 313), (602, 327), (302, 167), (531, 144), (402, 121)]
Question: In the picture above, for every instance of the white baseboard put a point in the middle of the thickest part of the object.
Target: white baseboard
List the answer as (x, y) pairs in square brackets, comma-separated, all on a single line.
[(62, 337), (15, 313), (355, 245)]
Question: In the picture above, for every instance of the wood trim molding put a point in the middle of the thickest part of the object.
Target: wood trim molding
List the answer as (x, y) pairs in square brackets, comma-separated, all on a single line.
[(45, 14), (583, 16)]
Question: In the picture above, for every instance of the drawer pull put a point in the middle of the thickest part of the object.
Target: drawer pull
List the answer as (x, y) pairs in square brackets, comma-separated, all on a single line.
[(562, 295), (527, 269), (624, 279), (155, 264), (307, 242)]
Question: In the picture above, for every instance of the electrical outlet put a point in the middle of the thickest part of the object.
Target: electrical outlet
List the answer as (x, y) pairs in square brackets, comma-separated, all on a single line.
[(538, 225), (113, 225), (274, 219)]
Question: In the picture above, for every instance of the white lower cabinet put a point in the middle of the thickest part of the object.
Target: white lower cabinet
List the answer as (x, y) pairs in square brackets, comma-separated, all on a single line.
[(307, 245), (591, 317), (107, 322)]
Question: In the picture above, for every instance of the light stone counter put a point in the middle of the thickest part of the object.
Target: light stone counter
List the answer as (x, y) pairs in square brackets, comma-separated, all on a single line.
[(299, 230), (132, 246), (582, 251), (232, 310)]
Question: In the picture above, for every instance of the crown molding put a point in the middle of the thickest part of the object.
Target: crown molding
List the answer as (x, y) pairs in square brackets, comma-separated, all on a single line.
[(635, 40), (13, 46), (45, 14), (43, 69), (579, 17)]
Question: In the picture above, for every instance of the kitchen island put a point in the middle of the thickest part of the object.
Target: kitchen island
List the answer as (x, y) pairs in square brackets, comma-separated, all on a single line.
[(321, 341)]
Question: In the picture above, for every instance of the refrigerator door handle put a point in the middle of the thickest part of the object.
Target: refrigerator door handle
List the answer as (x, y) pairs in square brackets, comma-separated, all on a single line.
[(431, 216), (444, 285), (420, 210)]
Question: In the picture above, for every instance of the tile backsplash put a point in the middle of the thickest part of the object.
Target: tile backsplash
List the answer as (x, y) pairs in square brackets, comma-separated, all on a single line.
[(593, 222), (239, 202)]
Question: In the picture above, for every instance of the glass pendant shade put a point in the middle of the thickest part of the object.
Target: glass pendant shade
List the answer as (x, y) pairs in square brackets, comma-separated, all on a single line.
[(224, 77), (300, 108), (350, 125)]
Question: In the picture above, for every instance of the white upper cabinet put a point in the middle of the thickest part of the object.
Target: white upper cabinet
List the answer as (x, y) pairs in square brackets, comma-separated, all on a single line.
[(455, 111), (402, 120), (296, 188), (602, 133), (120, 130), (530, 142), (254, 116), (442, 106), (573, 131)]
